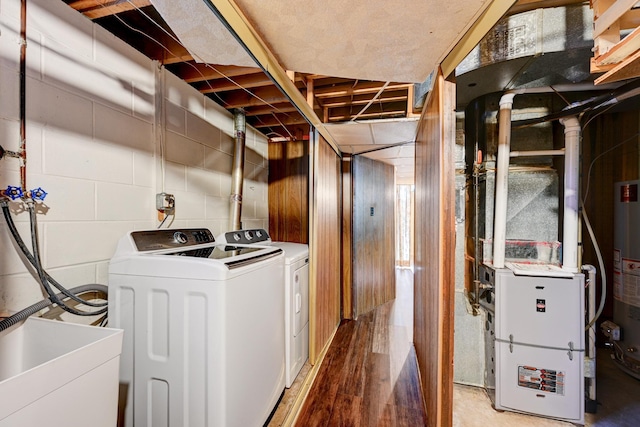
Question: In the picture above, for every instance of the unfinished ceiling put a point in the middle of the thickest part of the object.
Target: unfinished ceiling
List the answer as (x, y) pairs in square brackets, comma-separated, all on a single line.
[(196, 47), (352, 63)]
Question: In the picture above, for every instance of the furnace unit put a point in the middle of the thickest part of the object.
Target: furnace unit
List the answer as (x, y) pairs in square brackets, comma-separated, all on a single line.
[(535, 341)]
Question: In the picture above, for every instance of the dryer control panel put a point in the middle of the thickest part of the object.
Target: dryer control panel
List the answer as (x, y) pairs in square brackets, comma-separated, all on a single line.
[(245, 237)]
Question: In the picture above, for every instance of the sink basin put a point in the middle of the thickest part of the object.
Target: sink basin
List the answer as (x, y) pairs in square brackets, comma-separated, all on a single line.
[(59, 374)]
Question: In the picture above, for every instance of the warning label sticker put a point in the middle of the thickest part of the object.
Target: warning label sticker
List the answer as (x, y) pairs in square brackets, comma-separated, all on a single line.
[(547, 380), (628, 286)]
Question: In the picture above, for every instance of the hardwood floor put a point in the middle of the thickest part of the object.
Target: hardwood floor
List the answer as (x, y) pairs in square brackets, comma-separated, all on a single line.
[(369, 376)]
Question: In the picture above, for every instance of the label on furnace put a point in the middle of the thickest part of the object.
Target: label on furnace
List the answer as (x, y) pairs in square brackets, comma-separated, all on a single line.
[(546, 380)]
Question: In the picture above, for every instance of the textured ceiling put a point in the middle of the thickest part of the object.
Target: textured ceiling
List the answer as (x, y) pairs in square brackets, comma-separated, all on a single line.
[(387, 40), (383, 40)]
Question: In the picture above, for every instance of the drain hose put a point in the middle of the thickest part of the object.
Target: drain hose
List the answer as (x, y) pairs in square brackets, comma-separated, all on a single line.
[(32, 309)]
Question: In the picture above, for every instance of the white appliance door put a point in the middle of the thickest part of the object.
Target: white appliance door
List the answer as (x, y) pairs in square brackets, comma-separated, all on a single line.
[(544, 311), (300, 299), (539, 381)]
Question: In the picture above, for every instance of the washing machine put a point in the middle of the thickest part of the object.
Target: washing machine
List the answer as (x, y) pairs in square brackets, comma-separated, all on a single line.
[(203, 328), (296, 295)]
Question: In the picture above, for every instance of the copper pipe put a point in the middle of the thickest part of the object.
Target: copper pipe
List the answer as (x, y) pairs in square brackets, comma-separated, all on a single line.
[(23, 91)]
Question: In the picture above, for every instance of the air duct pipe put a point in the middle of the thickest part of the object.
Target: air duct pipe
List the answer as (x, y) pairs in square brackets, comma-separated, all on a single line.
[(502, 179), (237, 173), (571, 196)]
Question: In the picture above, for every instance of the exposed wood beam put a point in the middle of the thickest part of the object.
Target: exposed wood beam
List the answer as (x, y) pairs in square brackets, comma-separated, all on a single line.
[(359, 88), (365, 116), (263, 95), (611, 15), (94, 9), (387, 96), (268, 109), (279, 119), (193, 72), (224, 85), (175, 55), (310, 93), (627, 69), (375, 110), (621, 50)]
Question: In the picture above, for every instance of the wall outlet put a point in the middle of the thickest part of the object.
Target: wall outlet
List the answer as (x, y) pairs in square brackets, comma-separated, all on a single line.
[(166, 203)]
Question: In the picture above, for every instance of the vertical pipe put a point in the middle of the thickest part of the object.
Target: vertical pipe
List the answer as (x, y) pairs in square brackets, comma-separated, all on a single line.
[(237, 173), (571, 182), (23, 94), (591, 311), (502, 179)]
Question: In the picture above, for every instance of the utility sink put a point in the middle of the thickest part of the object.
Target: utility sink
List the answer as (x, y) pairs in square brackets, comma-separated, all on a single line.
[(59, 374)]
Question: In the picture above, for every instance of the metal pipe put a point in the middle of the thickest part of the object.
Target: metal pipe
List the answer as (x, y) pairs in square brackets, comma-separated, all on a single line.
[(536, 153), (591, 309), (237, 173), (502, 179), (23, 92), (571, 196)]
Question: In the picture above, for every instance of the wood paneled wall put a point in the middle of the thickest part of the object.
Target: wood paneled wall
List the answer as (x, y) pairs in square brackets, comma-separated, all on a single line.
[(325, 248), (348, 309), (434, 280), (373, 236), (289, 191)]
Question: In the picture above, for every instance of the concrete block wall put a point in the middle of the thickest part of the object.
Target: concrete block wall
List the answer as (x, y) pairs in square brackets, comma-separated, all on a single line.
[(96, 138)]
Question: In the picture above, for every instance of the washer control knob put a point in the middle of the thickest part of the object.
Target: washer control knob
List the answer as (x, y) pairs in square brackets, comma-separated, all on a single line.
[(248, 235), (236, 237), (258, 233), (180, 237)]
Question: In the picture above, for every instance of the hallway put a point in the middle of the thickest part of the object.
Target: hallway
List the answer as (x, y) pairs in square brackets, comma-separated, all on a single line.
[(369, 375)]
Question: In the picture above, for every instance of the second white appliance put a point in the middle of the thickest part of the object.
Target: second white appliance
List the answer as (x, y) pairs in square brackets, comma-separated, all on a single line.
[(296, 294)]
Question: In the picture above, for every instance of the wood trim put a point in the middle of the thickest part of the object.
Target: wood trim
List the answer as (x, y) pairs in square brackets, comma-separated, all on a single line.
[(435, 251), (627, 69), (479, 27), (626, 47), (348, 296), (324, 247)]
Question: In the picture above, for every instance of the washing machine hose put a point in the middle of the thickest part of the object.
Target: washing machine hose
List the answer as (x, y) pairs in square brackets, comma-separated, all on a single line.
[(33, 309), (44, 278)]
